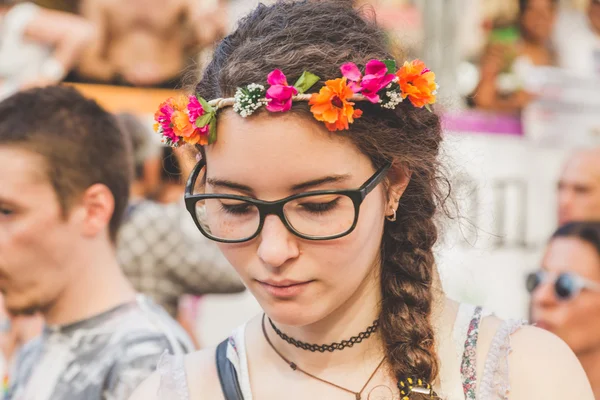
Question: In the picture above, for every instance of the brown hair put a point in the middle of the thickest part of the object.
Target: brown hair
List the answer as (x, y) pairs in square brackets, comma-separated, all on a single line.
[(80, 142), (320, 36)]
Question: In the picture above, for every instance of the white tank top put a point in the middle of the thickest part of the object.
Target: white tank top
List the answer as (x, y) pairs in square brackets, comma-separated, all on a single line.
[(459, 378)]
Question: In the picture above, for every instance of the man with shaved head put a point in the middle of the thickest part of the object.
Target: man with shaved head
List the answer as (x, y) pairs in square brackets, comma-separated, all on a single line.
[(579, 187)]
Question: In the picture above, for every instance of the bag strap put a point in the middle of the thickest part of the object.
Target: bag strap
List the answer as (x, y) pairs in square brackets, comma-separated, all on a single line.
[(227, 374)]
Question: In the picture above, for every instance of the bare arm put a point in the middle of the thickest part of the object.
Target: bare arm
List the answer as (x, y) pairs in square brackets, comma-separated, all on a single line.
[(487, 96), (543, 367), (67, 34), (94, 63)]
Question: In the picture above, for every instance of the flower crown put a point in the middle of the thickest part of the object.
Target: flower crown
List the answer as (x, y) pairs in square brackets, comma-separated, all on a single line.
[(192, 119)]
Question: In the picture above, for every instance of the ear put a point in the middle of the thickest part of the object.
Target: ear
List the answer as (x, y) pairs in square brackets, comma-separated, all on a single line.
[(97, 206), (398, 179)]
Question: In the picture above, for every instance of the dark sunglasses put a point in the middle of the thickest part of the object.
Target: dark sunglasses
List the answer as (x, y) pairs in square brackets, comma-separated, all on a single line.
[(567, 285)]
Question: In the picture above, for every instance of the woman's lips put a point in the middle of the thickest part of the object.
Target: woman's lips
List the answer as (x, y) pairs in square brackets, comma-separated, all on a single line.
[(284, 289)]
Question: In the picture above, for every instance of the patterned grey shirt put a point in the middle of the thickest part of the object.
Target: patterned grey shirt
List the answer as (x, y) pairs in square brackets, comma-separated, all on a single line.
[(104, 357), (165, 256)]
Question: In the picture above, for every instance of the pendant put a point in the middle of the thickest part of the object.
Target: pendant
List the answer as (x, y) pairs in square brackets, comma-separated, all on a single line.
[(358, 396)]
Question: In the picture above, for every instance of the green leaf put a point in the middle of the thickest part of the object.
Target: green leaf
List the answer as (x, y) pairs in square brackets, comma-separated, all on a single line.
[(212, 133), (306, 81), (205, 119), (207, 107), (391, 66)]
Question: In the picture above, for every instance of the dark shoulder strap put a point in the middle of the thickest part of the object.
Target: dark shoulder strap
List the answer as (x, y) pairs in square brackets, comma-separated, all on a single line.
[(227, 374)]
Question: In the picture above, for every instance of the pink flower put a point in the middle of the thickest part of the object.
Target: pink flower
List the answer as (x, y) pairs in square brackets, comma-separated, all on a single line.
[(375, 79), (163, 120), (195, 109), (353, 74), (280, 93)]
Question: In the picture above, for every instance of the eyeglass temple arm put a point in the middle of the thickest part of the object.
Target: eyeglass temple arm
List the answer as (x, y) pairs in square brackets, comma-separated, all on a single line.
[(191, 182), (372, 184), (592, 285)]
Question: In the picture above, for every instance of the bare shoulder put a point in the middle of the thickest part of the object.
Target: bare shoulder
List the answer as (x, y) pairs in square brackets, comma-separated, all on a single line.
[(542, 366), (202, 375)]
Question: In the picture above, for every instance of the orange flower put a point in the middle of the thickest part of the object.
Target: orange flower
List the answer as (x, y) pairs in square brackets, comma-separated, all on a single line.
[(417, 83), (181, 124), (332, 106)]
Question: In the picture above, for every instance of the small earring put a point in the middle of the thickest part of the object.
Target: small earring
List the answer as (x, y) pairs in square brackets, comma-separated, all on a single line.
[(392, 218)]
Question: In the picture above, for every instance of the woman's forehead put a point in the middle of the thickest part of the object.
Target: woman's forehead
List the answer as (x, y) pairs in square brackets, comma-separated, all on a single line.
[(274, 153), (573, 254), (266, 141)]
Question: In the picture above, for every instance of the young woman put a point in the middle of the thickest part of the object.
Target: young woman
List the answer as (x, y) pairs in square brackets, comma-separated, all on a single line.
[(323, 199), (510, 58), (565, 293)]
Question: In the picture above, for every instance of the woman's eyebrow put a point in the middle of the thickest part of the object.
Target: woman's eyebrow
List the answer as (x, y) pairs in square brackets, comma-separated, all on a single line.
[(320, 181), (226, 184)]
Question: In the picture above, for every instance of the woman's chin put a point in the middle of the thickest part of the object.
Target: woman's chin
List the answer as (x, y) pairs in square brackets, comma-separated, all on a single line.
[(292, 313)]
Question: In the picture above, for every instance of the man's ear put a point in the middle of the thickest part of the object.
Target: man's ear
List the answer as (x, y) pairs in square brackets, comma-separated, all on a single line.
[(95, 210)]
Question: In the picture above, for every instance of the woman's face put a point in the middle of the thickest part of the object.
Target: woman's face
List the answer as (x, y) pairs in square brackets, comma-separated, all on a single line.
[(269, 157), (577, 320), (537, 21)]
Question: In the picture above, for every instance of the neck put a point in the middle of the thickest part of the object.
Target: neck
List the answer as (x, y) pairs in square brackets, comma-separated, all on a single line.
[(96, 285), (350, 319), (171, 193), (137, 191), (591, 364)]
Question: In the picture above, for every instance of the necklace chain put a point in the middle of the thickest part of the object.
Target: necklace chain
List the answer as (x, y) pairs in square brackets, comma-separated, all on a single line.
[(322, 348), (295, 366)]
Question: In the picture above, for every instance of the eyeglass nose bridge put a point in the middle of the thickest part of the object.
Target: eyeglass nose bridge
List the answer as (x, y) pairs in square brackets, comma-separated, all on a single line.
[(272, 208)]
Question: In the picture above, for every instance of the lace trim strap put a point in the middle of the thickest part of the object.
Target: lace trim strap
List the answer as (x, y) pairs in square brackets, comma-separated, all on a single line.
[(495, 383), (173, 382)]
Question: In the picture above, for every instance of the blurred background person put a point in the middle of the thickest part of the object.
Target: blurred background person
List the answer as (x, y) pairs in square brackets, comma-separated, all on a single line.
[(577, 40), (579, 187), (512, 54), (565, 293), (147, 42), (38, 46), (63, 189), (172, 179), (159, 248)]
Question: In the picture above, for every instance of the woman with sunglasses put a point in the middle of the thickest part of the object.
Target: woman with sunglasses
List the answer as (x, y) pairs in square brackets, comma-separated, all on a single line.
[(565, 293), (322, 194)]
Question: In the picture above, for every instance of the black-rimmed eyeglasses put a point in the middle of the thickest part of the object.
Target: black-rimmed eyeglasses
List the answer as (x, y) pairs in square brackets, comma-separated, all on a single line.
[(315, 215)]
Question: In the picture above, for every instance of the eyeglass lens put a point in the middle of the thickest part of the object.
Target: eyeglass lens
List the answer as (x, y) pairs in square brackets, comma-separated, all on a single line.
[(322, 215)]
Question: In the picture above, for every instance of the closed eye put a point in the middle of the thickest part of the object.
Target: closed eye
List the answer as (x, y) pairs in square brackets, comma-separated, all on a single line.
[(319, 208)]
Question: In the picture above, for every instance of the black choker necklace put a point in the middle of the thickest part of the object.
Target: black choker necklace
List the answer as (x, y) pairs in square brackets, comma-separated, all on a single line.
[(327, 347)]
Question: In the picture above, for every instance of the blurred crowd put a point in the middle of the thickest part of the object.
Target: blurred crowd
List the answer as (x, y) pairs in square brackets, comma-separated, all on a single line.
[(158, 43), (146, 43), (543, 36)]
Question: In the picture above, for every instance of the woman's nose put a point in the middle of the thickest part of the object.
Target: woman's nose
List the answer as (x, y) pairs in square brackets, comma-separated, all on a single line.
[(277, 243)]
